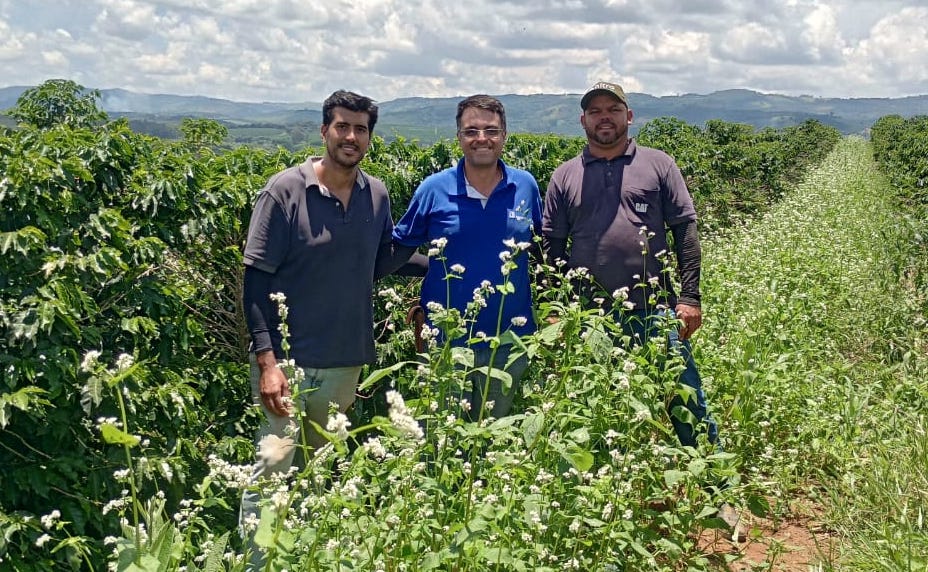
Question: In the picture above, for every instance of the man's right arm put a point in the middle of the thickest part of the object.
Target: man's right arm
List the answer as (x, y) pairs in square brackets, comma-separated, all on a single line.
[(256, 299), (555, 249)]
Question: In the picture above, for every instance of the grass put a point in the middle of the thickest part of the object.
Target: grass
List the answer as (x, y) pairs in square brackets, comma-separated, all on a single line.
[(814, 349)]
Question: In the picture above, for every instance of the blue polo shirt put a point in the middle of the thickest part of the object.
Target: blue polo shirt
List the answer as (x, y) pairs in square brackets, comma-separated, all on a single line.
[(475, 230)]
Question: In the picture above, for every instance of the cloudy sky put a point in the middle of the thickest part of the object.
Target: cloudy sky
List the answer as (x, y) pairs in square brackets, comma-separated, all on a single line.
[(302, 50)]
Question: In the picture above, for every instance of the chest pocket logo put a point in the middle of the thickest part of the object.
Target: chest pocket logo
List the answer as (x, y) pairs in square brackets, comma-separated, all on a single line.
[(641, 207)]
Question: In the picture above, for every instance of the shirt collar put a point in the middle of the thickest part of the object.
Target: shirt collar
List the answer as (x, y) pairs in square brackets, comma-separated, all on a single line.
[(309, 175), (629, 152), (462, 180)]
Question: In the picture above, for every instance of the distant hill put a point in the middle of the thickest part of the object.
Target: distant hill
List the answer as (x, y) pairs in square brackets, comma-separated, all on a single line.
[(428, 119)]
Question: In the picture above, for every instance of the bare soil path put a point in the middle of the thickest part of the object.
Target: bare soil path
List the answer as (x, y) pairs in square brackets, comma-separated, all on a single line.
[(798, 542)]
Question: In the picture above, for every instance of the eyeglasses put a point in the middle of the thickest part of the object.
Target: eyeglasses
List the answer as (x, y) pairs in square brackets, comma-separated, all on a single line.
[(489, 133)]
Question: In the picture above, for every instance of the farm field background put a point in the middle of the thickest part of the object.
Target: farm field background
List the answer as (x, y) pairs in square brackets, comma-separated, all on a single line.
[(124, 419)]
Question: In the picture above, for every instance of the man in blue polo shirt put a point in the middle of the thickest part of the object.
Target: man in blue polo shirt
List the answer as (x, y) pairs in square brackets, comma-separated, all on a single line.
[(480, 217)]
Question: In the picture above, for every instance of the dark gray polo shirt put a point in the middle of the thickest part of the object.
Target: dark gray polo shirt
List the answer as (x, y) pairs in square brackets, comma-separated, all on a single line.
[(322, 258), (601, 207)]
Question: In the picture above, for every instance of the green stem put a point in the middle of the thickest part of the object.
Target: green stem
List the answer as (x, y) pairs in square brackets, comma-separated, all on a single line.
[(132, 487)]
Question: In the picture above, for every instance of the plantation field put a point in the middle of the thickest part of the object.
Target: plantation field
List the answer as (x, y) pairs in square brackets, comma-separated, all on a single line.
[(125, 425)]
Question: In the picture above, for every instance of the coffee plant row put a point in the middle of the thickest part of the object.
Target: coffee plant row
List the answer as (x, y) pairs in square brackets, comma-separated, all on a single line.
[(122, 249), (901, 148)]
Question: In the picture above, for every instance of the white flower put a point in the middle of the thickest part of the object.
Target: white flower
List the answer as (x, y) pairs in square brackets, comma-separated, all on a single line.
[(623, 381), (40, 541), (90, 360), (49, 519), (400, 417), (278, 297), (607, 511), (124, 362), (375, 448), (510, 243), (338, 424), (440, 242), (524, 245), (457, 268), (505, 255), (519, 321), (434, 306)]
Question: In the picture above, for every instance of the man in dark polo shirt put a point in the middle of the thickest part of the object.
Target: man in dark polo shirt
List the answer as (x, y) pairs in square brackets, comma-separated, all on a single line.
[(320, 235), (608, 210)]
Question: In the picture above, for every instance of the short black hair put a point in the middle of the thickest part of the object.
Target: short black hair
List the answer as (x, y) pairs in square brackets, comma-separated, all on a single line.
[(352, 102), (481, 101)]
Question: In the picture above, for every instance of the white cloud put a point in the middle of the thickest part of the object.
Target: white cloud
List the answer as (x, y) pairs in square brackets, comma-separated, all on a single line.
[(896, 48), (292, 50)]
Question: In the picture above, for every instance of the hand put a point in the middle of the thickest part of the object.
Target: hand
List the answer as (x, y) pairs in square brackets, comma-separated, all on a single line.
[(273, 385), (691, 316)]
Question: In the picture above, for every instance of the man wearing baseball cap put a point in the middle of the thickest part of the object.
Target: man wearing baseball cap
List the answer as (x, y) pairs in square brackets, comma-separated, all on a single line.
[(614, 204)]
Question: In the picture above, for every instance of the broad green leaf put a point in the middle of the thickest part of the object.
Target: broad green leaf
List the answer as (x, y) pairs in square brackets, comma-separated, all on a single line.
[(91, 394), (503, 376), (672, 477), (116, 436), (580, 459), (214, 562), (697, 467), (22, 240), (531, 427), (430, 561), (23, 399), (379, 374)]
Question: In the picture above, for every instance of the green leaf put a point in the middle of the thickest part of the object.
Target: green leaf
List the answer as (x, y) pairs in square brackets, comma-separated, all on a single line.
[(115, 436), (672, 477), (22, 240), (580, 459), (759, 506), (91, 394), (532, 427), (551, 333), (216, 555), (23, 399), (430, 561), (697, 467), (379, 374), (503, 376)]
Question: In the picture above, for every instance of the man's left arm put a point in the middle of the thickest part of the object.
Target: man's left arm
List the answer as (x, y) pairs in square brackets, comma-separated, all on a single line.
[(689, 261), (399, 259)]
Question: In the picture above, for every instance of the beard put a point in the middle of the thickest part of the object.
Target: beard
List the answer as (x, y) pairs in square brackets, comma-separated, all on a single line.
[(333, 151), (604, 139)]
